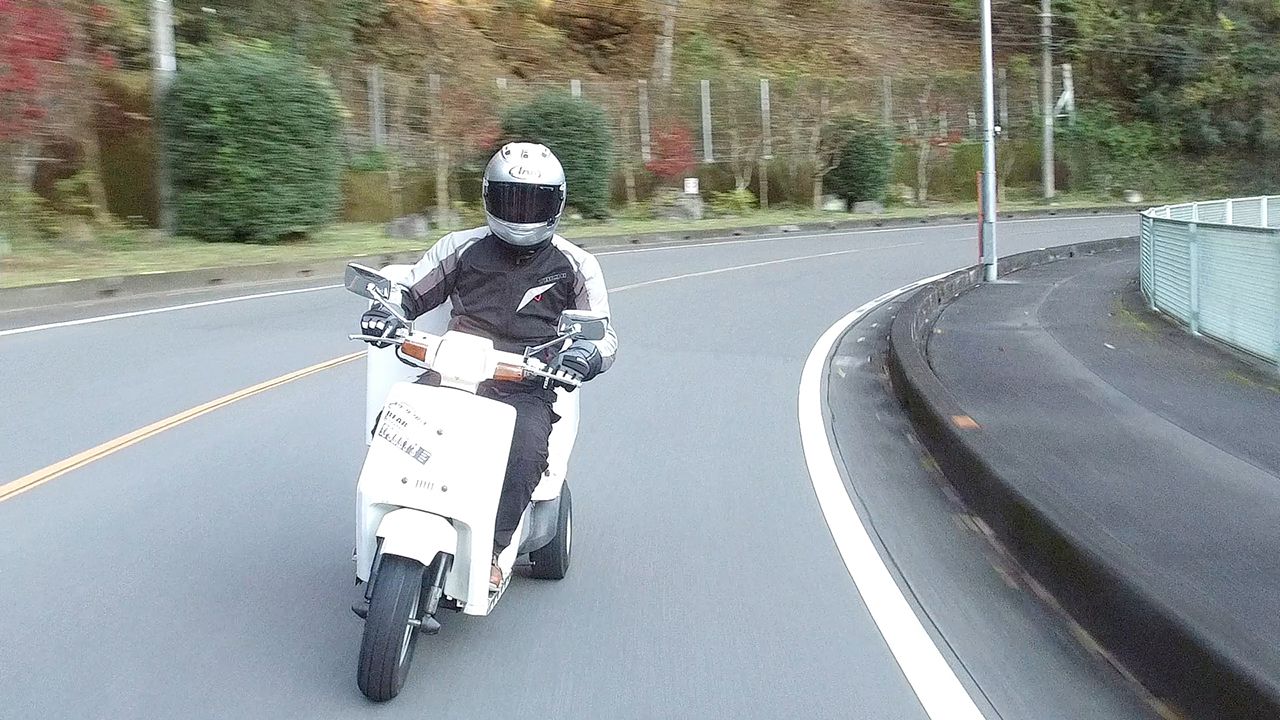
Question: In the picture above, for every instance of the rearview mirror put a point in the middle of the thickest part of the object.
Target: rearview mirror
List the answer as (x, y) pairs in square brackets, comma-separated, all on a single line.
[(583, 324), (363, 281)]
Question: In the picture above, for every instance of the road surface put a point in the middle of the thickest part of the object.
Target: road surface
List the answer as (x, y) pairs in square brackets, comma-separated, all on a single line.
[(204, 571)]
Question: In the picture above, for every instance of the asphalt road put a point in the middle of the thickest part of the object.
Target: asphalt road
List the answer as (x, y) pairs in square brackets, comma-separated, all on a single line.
[(205, 572)]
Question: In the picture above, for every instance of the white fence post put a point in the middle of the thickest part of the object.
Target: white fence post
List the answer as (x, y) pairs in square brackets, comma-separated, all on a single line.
[(575, 88), (377, 110), (1275, 267), (886, 103), (1150, 250), (766, 119), (766, 154), (646, 142), (1193, 251), (707, 154)]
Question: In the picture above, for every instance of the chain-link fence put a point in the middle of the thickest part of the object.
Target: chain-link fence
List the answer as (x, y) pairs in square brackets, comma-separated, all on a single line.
[(394, 111), (735, 124)]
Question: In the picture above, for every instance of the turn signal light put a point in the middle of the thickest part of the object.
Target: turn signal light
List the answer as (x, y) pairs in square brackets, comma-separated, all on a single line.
[(417, 352), (507, 371)]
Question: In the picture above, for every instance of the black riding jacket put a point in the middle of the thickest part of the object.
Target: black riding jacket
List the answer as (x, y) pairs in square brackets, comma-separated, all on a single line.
[(509, 295)]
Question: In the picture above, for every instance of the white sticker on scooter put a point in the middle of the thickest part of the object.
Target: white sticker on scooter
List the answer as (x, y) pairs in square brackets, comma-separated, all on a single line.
[(395, 429)]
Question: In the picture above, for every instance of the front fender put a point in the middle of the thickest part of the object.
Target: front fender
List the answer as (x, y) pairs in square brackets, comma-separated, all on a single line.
[(417, 535)]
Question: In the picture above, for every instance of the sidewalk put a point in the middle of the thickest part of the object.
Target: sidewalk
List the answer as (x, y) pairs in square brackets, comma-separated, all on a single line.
[(1146, 468)]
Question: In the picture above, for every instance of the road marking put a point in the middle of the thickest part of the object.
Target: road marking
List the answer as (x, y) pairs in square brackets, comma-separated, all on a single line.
[(934, 682), (79, 460), (717, 271), (168, 308), (628, 251), (713, 242), (46, 474)]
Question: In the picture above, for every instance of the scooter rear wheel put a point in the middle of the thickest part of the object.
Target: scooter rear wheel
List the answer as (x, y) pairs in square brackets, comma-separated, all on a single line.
[(552, 561), (387, 648)]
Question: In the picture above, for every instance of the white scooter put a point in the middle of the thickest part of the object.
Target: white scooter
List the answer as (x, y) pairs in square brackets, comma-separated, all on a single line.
[(428, 492)]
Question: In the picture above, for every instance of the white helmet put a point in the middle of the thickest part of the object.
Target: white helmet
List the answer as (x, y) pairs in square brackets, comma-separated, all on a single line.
[(524, 192)]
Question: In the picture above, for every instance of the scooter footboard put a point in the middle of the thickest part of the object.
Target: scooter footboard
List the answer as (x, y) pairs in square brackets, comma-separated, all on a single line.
[(417, 535)]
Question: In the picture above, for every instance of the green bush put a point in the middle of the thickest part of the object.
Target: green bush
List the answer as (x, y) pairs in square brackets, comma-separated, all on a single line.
[(25, 217), (577, 132), (1109, 155), (862, 163), (253, 140), (733, 203)]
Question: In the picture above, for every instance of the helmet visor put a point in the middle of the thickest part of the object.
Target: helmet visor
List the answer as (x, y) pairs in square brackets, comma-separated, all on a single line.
[(522, 203)]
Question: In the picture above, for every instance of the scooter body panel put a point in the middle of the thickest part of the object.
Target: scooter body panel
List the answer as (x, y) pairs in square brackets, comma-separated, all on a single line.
[(440, 451), (417, 535)]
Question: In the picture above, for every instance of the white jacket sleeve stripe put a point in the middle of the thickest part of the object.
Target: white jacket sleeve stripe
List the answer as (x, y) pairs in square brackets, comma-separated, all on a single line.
[(590, 293)]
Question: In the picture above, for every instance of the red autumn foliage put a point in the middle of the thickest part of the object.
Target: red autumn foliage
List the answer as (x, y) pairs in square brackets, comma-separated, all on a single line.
[(31, 34), (673, 156)]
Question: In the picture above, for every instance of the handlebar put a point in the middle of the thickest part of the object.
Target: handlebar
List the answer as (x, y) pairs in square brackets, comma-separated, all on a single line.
[(526, 368)]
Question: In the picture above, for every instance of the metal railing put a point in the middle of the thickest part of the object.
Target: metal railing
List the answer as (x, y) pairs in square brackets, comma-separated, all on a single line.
[(1215, 266)]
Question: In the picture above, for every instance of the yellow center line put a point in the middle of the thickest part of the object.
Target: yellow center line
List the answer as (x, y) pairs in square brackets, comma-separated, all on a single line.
[(79, 460), (44, 475)]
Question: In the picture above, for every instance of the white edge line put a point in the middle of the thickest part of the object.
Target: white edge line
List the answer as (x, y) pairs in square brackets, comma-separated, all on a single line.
[(167, 308), (765, 263), (934, 682), (729, 240), (629, 251)]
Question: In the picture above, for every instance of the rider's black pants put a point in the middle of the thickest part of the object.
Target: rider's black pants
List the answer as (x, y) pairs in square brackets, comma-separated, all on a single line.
[(528, 459)]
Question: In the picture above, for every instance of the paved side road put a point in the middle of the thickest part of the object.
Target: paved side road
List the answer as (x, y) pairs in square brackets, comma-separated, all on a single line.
[(205, 572), (1154, 449), (1019, 656)]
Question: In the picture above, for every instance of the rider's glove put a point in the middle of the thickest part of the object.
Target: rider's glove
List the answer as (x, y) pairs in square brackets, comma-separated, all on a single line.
[(581, 361), (380, 322)]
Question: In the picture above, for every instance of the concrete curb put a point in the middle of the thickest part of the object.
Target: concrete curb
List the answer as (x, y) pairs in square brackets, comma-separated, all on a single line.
[(73, 291), (1172, 660)]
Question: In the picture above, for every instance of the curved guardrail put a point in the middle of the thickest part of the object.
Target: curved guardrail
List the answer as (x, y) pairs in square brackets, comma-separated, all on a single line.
[(1215, 266)]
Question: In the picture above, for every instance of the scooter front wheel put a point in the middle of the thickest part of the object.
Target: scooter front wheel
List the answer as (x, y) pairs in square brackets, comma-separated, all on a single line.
[(387, 648)]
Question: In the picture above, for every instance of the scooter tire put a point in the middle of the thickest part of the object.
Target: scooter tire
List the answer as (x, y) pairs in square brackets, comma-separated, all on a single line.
[(386, 651), (551, 562)]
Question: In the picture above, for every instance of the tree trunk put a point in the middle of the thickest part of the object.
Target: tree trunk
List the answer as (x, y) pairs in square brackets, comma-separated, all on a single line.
[(922, 171), (93, 170), (629, 177), (926, 148), (443, 207), (820, 168), (24, 164), (85, 124), (764, 184)]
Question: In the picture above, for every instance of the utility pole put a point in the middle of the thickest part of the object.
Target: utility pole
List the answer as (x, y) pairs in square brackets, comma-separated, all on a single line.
[(989, 255), (1046, 96), (163, 67)]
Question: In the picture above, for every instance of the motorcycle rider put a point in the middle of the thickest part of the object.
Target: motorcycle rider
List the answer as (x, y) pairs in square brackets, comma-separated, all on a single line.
[(509, 280)]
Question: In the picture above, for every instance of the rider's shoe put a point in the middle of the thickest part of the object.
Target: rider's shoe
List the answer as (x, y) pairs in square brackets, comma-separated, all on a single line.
[(495, 577)]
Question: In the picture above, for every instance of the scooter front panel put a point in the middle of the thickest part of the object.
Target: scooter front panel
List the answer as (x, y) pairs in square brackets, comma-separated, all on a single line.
[(435, 449)]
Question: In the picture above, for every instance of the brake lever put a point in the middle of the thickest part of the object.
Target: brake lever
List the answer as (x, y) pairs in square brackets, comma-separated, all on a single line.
[(390, 339)]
